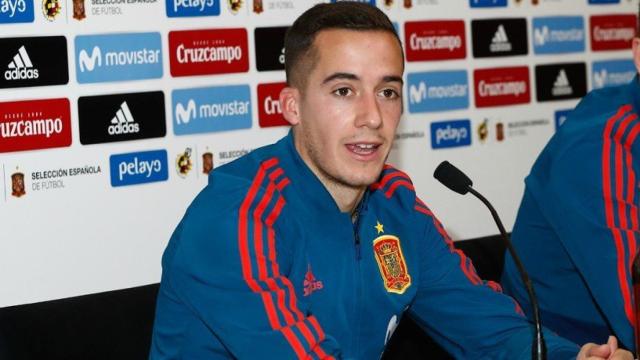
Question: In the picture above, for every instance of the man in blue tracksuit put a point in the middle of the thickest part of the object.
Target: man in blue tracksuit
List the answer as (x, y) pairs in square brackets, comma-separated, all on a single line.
[(577, 226), (313, 247)]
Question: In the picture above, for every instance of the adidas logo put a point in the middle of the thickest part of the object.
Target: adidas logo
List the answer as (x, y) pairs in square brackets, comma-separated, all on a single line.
[(562, 87), (123, 122), (500, 41), (21, 67)]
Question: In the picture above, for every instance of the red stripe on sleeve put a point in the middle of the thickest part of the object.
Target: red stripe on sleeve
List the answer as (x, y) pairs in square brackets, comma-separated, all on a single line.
[(608, 195)]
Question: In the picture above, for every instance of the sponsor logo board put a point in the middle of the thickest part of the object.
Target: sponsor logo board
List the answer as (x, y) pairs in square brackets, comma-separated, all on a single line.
[(435, 40), (501, 86), (437, 91), (211, 109), (558, 34), (269, 109), (33, 61), (16, 11), (35, 124), (121, 117), (612, 32), (138, 168), (487, 3), (499, 37), (118, 57), (447, 134), (561, 81), (190, 8), (612, 73), (560, 117), (269, 43), (206, 52)]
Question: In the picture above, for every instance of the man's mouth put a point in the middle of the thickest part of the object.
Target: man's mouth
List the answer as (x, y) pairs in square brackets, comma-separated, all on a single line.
[(363, 148)]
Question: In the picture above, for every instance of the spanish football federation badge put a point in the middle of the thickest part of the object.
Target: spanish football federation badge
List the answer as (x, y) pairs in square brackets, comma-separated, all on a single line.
[(79, 10), (51, 9), (17, 184), (391, 262), (235, 5), (183, 163)]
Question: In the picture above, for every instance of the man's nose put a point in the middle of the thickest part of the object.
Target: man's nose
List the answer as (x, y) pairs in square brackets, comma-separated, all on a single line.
[(369, 113)]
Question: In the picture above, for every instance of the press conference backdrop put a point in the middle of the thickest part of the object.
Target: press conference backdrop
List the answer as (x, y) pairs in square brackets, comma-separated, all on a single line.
[(112, 112)]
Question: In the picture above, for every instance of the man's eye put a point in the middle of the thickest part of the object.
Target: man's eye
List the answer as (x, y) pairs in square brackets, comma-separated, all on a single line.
[(390, 93), (342, 92)]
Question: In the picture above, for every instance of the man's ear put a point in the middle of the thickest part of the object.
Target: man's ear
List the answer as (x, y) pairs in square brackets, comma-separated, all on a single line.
[(289, 103), (636, 53)]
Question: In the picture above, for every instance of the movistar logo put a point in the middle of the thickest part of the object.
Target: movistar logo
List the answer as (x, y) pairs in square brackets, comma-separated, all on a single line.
[(211, 109), (118, 57), (184, 115), (438, 91), (88, 63)]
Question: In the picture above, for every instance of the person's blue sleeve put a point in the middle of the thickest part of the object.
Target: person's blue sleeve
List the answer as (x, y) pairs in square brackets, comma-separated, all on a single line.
[(228, 263), (470, 317)]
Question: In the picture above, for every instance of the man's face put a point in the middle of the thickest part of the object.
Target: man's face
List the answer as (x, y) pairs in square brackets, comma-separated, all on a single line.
[(350, 106)]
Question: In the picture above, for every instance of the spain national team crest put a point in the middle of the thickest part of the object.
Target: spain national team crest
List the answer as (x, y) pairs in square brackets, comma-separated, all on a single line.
[(391, 262)]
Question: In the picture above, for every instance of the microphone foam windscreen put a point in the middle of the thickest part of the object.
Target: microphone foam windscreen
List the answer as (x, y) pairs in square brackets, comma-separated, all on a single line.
[(451, 177)]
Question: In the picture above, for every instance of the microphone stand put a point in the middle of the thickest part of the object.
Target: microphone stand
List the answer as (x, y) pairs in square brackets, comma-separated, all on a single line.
[(538, 348)]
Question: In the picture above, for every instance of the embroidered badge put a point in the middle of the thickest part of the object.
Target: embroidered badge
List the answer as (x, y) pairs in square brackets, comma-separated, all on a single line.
[(311, 284), (391, 262)]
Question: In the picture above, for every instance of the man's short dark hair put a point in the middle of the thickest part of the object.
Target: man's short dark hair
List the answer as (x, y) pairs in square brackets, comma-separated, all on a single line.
[(298, 44)]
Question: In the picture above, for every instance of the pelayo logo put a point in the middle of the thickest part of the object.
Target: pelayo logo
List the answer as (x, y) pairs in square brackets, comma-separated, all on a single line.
[(560, 117), (121, 117), (33, 61), (16, 11), (138, 168), (204, 52), (612, 73), (437, 91), (211, 109), (35, 124), (188, 8), (487, 3), (101, 58), (558, 34), (447, 134)]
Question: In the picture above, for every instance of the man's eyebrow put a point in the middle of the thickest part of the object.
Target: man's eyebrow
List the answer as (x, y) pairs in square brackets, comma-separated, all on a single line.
[(340, 75), (393, 78)]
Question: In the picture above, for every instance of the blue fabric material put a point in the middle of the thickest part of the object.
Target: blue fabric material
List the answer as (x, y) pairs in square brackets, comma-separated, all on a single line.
[(321, 272), (578, 260)]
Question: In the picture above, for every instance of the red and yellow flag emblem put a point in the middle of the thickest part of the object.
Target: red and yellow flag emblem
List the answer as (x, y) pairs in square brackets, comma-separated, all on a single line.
[(391, 262)]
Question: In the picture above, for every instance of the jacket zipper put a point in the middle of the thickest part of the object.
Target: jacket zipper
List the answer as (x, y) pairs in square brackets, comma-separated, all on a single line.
[(358, 275)]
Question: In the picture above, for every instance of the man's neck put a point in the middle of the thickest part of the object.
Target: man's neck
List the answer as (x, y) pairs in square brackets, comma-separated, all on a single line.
[(347, 198)]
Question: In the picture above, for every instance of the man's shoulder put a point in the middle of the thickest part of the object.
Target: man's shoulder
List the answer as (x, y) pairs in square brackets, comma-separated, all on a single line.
[(602, 103), (394, 186)]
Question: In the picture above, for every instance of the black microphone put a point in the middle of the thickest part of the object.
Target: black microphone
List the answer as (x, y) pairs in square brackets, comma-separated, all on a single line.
[(451, 177)]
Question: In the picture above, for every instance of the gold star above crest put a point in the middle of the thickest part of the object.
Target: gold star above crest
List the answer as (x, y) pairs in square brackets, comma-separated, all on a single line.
[(379, 227)]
